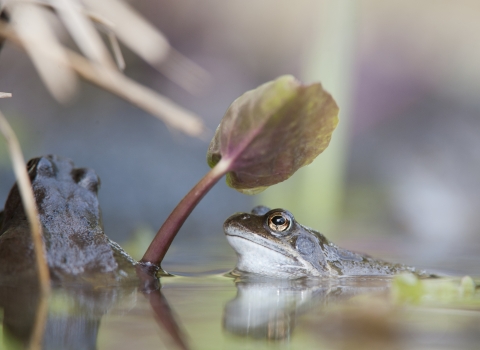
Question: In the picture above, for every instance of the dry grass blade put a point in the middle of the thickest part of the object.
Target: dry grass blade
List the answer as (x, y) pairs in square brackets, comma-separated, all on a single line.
[(33, 28), (5, 95), (38, 330), (92, 16), (132, 29), (163, 108), (184, 72), (103, 24), (82, 31), (115, 82), (117, 52), (150, 44), (28, 199)]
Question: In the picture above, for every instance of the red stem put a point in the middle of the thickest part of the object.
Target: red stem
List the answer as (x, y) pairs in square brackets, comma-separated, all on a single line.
[(162, 241)]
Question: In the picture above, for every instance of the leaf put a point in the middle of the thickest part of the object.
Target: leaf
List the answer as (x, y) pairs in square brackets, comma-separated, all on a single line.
[(270, 132), (408, 288), (264, 137)]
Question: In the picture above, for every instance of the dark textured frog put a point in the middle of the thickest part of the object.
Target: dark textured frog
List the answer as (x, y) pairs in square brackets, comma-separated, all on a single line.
[(77, 248), (271, 243)]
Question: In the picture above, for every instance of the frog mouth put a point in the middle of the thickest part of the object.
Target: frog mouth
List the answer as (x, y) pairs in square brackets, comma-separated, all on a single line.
[(259, 255), (260, 242)]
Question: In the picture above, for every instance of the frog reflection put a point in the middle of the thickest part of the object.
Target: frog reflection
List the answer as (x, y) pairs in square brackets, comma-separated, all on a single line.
[(71, 320), (271, 243), (77, 248), (270, 308), (70, 317)]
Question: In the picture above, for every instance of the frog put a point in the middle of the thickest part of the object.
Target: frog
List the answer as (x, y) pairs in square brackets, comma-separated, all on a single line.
[(272, 243), (77, 248)]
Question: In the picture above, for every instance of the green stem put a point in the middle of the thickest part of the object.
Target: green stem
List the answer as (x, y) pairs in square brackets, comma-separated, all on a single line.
[(162, 241)]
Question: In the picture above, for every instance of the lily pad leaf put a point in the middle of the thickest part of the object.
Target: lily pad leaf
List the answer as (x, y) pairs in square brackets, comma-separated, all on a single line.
[(270, 132)]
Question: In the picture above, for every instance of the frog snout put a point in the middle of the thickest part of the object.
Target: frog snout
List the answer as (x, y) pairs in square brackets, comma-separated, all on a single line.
[(235, 222)]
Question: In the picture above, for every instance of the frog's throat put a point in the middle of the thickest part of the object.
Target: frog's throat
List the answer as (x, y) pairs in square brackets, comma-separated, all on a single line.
[(259, 255)]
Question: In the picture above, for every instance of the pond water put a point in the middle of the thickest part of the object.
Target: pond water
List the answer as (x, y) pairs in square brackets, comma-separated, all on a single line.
[(218, 311)]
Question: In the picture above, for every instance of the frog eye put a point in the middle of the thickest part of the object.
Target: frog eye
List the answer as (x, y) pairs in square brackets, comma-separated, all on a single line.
[(279, 222), (32, 168), (32, 163), (87, 178)]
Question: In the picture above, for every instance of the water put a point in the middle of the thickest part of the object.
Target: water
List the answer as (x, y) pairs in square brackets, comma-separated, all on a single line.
[(214, 311)]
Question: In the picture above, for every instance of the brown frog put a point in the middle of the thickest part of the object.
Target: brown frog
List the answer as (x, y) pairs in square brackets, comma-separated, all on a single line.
[(272, 243), (76, 246)]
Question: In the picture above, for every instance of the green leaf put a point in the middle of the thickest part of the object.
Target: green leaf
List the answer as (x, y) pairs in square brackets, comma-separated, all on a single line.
[(408, 288), (270, 132)]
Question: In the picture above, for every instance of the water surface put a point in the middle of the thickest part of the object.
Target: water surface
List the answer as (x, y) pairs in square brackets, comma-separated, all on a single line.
[(214, 311)]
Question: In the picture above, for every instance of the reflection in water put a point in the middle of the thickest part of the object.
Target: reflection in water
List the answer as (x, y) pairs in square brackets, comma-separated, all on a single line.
[(165, 319), (70, 321), (341, 313), (269, 309), (69, 318)]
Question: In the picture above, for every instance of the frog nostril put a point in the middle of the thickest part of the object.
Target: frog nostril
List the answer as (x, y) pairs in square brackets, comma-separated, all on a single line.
[(86, 178)]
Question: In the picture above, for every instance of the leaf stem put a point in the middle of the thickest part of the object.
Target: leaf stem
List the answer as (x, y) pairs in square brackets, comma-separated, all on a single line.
[(165, 235)]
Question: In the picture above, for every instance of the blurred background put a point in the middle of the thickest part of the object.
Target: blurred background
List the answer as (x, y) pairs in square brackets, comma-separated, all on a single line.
[(400, 180)]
